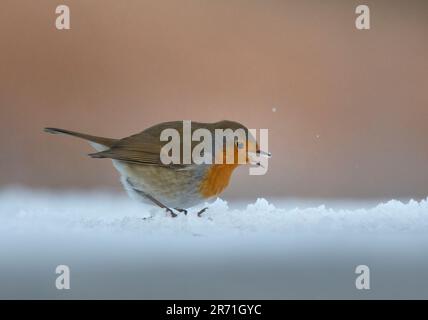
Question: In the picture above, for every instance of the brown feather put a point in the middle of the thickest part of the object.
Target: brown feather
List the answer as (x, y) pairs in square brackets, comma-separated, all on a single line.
[(100, 140)]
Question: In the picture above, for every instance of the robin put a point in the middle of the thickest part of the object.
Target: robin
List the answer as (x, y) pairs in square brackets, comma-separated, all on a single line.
[(170, 186)]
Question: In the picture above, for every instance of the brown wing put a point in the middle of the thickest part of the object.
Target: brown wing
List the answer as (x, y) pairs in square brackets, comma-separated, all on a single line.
[(141, 148)]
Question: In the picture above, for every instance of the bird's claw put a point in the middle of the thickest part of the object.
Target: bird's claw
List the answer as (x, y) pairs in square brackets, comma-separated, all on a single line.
[(182, 210), (202, 211), (172, 213)]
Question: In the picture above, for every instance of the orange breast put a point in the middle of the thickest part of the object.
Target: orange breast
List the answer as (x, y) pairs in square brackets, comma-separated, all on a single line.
[(216, 179)]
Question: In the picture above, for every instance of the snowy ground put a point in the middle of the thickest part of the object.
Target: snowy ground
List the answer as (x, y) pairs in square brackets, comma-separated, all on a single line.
[(253, 251)]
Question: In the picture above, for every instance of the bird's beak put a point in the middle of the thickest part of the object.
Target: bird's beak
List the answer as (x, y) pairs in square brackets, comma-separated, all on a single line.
[(259, 153), (263, 153)]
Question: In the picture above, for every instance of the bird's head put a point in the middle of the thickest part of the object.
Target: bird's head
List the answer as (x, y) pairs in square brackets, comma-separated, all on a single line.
[(237, 145)]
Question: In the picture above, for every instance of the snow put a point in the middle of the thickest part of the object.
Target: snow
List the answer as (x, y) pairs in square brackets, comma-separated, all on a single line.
[(24, 211), (119, 248)]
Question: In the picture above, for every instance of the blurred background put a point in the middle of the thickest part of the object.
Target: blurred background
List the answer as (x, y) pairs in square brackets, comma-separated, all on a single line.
[(347, 110)]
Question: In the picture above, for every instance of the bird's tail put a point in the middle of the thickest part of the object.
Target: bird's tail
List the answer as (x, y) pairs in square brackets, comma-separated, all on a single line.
[(106, 142)]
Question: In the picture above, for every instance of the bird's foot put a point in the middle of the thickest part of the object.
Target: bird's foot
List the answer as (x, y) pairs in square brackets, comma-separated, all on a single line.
[(202, 211), (182, 210), (172, 213)]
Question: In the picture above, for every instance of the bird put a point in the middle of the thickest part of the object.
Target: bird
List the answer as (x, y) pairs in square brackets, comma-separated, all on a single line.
[(174, 186)]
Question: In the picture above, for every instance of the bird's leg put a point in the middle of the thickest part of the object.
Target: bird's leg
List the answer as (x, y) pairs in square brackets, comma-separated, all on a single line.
[(160, 204), (182, 210), (155, 201), (202, 211)]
